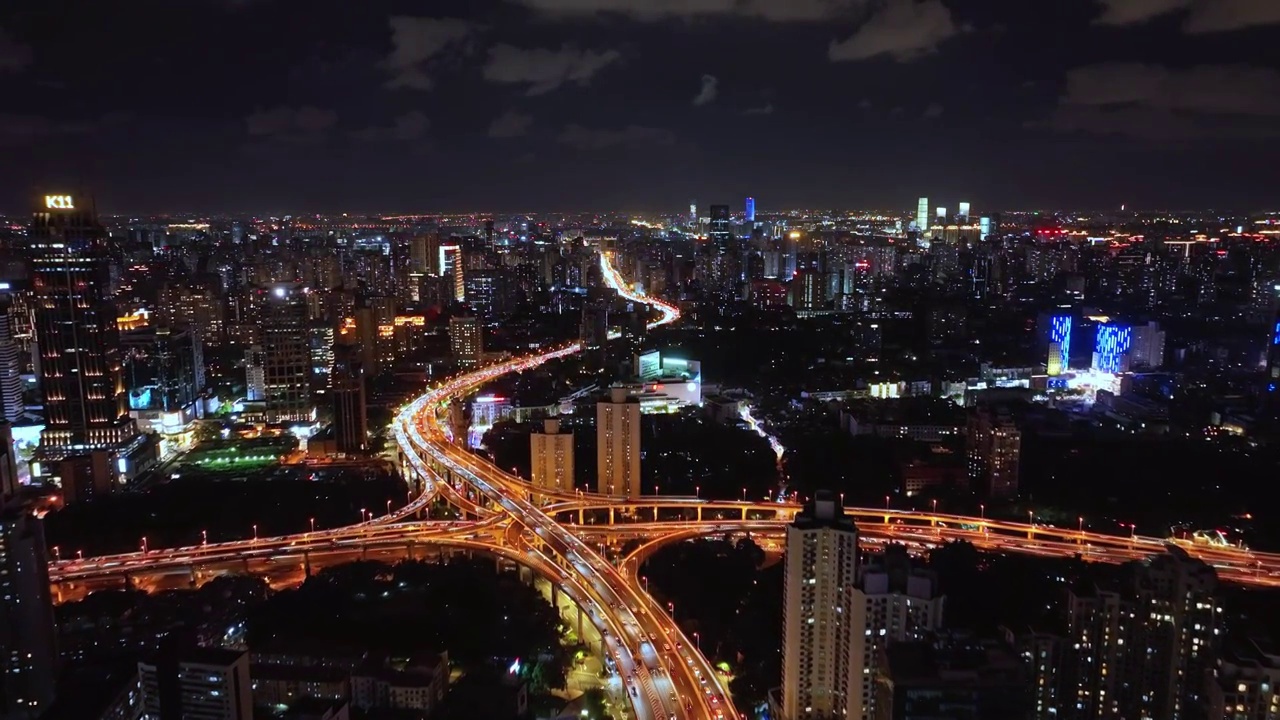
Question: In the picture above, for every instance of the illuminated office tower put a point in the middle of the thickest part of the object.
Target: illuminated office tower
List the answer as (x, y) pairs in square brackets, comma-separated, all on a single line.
[(941, 215), (466, 340), (922, 215), (984, 228), (618, 444), (551, 456), (286, 356), (718, 230), (893, 602), (693, 212), (28, 663), (963, 216), (819, 677), (350, 413), (1147, 348), (451, 266), (255, 374), (85, 404), (1059, 344), (1111, 348), (750, 214)]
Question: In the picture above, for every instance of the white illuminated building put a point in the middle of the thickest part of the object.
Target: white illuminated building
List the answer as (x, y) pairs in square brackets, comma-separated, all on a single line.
[(618, 444)]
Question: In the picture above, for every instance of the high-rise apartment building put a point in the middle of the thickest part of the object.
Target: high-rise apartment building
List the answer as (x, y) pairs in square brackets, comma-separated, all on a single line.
[(196, 684), (819, 677), (85, 403), (618, 444), (286, 356), (551, 457), (466, 340), (1143, 647), (1246, 683), (750, 214), (28, 654), (893, 602), (994, 446)]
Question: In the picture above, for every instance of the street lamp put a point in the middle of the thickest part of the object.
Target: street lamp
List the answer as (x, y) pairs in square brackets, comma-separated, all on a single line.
[(204, 537), (144, 544), (57, 554), (697, 642), (255, 532), (388, 506), (313, 524), (982, 512), (697, 491), (744, 494)]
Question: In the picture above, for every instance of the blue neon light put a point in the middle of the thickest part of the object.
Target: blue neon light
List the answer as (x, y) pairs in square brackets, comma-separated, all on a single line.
[(1275, 340), (751, 210), (1060, 332), (1112, 343)]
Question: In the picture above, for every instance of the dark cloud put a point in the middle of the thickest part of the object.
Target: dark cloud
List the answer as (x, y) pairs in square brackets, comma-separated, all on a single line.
[(933, 111), (415, 41), (766, 109), (14, 56), (412, 125), (581, 138), (650, 10), (1156, 103), (901, 29), (292, 124), (1202, 16), (545, 70), (510, 124), (707, 94)]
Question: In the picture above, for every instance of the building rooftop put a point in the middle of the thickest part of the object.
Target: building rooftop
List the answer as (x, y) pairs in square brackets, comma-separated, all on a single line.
[(823, 510)]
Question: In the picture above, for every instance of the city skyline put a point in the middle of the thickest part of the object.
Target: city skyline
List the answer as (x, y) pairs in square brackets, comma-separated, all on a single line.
[(521, 104)]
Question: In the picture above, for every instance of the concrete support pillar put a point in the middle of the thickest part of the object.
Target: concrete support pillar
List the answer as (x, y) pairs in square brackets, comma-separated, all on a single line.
[(580, 521), (699, 513), (611, 520)]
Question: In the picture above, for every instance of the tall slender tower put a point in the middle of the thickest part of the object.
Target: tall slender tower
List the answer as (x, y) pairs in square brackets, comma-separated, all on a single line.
[(286, 345), (85, 403), (618, 444), (819, 677)]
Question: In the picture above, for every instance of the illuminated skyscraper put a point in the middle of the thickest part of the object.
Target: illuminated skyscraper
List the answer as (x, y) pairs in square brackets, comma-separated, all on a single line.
[(718, 230), (693, 212), (451, 267), (28, 661), (11, 405), (984, 228), (618, 444), (551, 456), (85, 404), (1059, 344), (819, 676), (922, 215), (286, 355), (994, 446), (750, 215), (350, 411), (466, 340), (963, 216), (1111, 348)]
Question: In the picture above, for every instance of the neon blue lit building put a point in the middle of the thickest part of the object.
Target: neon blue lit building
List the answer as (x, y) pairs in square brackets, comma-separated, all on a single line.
[(751, 210), (1111, 348), (1059, 344)]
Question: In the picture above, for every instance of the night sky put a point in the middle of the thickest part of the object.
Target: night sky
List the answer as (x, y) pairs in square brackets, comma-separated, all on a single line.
[(510, 105)]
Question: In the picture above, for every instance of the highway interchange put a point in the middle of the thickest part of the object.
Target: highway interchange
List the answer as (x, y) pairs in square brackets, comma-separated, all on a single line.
[(557, 534)]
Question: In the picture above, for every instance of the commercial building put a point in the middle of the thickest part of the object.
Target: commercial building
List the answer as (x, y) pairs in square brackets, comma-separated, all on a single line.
[(551, 457), (76, 330), (819, 677), (750, 214), (618, 444), (164, 373), (28, 653), (196, 684), (350, 408), (11, 365), (950, 677), (286, 356), (922, 216), (892, 602), (1111, 347), (466, 340)]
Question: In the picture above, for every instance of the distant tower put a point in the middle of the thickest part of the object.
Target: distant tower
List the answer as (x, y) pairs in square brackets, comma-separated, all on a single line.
[(820, 581), (922, 215), (551, 456), (350, 414), (618, 444), (693, 212), (718, 230), (750, 215), (963, 216)]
